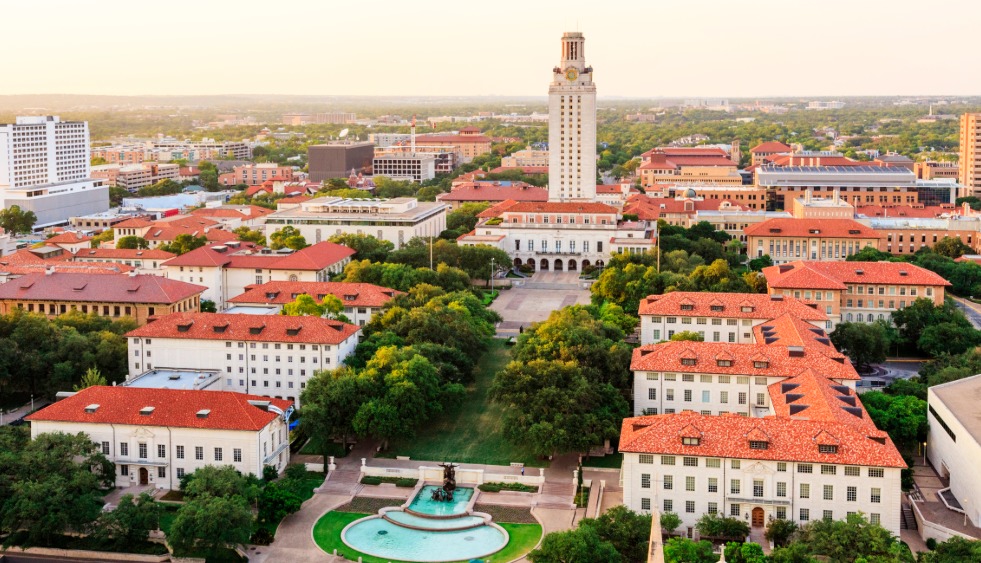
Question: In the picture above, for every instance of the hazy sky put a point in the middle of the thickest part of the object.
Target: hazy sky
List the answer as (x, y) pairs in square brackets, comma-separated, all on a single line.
[(504, 47)]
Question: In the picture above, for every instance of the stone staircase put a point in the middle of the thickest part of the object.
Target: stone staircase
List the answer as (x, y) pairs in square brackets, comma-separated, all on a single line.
[(342, 482), (557, 494), (907, 520)]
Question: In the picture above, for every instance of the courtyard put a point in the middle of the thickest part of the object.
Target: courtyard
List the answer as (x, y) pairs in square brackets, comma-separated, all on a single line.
[(535, 300)]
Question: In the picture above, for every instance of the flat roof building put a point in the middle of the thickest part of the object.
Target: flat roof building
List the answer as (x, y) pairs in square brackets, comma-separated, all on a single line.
[(337, 160)]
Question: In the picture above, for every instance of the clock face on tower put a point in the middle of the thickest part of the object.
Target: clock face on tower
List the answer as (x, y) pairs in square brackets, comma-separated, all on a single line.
[(571, 74)]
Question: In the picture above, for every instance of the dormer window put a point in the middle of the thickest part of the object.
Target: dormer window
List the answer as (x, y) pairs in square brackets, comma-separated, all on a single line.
[(758, 445), (761, 364), (687, 361), (687, 307), (717, 308), (723, 363), (687, 441), (746, 309), (827, 449)]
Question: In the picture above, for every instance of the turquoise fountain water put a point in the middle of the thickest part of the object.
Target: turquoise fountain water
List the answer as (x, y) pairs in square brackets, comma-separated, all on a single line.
[(427, 530)]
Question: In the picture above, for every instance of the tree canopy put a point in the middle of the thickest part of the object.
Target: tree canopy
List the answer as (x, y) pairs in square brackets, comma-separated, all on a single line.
[(17, 221), (287, 237), (366, 247)]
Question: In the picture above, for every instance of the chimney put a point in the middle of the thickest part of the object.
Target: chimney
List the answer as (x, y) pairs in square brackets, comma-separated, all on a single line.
[(133, 273), (49, 270)]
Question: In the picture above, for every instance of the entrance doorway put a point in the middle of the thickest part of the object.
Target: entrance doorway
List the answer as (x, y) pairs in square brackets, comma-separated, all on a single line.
[(144, 476), (757, 517)]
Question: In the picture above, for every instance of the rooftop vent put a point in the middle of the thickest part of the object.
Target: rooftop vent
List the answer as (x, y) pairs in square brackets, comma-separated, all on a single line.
[(784, 387), (264, 405), (814, 231), (776, 297), (256, 329), (174, 377), (856, 411), (770, 340), (794, 409), (147, 411), (184, 327), (79, 287), (775, 230), (92, 408), (293, 331), (794, 397), (272, 295), (843, 389), (859, 272), (220, 328), (203, 413), (847, 399), (903, 273), (220, 248), (854, 231), (795, 351)]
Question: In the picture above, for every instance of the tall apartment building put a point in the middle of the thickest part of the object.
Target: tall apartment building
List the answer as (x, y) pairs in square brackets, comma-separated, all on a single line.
[(256, 174), (44, 168), (572, 124), (970, 157), (415, 167)]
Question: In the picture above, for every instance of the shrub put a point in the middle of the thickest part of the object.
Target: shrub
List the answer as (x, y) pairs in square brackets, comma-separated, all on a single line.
[(269, 473), (931, 544), (497, 487), (406, 482), (397, 481), (369, 480), (296, 471), (261, 536)]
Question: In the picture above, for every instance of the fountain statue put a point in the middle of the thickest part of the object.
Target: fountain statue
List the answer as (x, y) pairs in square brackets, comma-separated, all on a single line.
[(449, 483)]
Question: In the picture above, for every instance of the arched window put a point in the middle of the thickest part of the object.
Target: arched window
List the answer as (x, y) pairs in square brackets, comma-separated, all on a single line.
[(293, 277), (848, 317), (860, 317)]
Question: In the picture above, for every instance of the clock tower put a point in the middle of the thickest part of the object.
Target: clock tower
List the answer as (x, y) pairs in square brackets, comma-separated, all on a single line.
[(572, 125)]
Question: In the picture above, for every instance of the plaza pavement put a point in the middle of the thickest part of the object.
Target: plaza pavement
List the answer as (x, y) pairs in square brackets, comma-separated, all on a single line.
[(522, 306)]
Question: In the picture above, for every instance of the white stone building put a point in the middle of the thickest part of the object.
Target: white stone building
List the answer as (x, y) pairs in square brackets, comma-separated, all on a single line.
[(45, 168), (156, 436), (572, 124), (396, 220), (953, 447), (718, 317), (269, 355), (361, 300)]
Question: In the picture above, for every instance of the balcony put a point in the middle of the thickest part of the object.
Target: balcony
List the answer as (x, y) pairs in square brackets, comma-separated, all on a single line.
[(757, 500), (558, 253)]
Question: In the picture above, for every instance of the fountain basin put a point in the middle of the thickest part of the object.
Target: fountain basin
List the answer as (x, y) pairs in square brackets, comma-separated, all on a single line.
[(410, 520), (424, 505), (379, 537)]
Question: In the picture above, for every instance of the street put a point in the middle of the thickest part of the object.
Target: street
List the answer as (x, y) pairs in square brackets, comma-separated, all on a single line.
[(971, 310)]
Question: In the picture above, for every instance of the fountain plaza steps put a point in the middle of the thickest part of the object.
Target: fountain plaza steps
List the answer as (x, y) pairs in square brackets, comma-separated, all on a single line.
[(557, 494), (342, 482)]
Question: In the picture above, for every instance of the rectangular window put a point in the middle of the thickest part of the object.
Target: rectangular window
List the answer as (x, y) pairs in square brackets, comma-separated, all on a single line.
[(645, 504), (687, 395), (829, 470), (742, 398), (180, 472), (723, 397), (690, 506), (781, 489), (690, 484), (713, 508), (829, 492), (734, 510), (218, 454), (713, 485), (689, 461), (668, 505), (782, 512), (874, 518), (180, 452), (876, 496), (734, 486), (758, 489), (161, 450), (237, 455), (652, 394), (162, 472), (827, 515), (851, 494), (713, 462), (646, 458), (805, 515), (667, 460), (123, 449), (782, 467), (199, 453), (706, 396), (735, 464), (805, 490), (805, 468), (877, 472), (124, 470), (668, 482), (852, 471), (105, 448), (645, 480)]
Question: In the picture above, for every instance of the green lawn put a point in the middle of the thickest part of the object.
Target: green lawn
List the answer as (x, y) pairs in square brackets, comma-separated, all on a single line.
[(613, 461), (473, 433), (327, 534), (314, 447)]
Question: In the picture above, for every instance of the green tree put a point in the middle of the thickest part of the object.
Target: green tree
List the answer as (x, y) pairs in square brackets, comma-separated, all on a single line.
[(246, 234), (779, 531), (684, 550), (581, 545), (104, 236), (722, 527), (903, 417), (219, 481), (687, 335), (463, 220), (954, 550), (208, 306), (793, 553), (52, 485), (287, 237), (17, 221), (738, 552), (184, 243), (128, 526), (132, 243), (277, 502), (627, 531), (913, 320), (757, 264), (865, 344), (163, 187), (366, 247), (669, 522), (852, 540), (117, 195), (951, 247), (210, 523), (870, 254), (948, 338), (304, 306), (91, 378), (331, 401)]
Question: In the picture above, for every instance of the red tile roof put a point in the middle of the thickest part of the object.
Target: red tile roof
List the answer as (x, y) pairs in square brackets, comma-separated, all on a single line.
[(560, 207), (124, 254), (686, 151), (450, 139), (812, 396), (812, 228), (649, 208), (123, 288), (770, 147), (835, 275), (25, 256), (661, 161), (762, 306), (315, 257), (294, 199), (134, 223), (815, 160), (919, 211), (496, 209), (487, 191), (352, 294), (613, 189), (233, 211), (257, 328), (69, 237), (526, 170), (67, 267), (171, 407), (791, 439), (667, 356)]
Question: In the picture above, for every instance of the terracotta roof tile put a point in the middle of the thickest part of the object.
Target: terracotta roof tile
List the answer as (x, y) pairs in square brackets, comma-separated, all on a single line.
[(836, 275), (487, 191), (728, 305), (69, 237), (124, 254), (171, 407), (812, 228), (770, 147), (256, 328), (561, 207), (124, 288), (282, 292)]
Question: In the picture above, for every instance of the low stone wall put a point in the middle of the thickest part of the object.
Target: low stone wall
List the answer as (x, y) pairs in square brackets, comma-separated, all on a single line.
[(464, 476), (97, 555), (928, 529)]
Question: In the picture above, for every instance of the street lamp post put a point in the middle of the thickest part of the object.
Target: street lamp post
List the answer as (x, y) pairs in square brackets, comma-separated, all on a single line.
[(492, 276)]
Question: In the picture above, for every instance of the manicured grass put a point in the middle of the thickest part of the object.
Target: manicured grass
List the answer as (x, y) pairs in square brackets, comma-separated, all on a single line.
[(314, 447), (473, 433), (327, 534), (613, 461)]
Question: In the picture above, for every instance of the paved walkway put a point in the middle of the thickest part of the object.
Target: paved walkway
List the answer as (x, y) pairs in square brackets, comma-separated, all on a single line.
[(10, 416), (522, 306), (294, 537)]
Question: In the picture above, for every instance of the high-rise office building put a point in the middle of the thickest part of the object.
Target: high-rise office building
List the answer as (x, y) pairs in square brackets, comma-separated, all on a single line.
[(44, 168), (970, 157), (572, 124)]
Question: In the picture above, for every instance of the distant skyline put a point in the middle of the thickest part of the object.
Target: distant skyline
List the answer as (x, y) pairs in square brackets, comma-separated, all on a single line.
[(696, 48)]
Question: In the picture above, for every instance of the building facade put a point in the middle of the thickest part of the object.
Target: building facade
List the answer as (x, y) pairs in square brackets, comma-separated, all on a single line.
[(137, 296), (572, 124), (269, 355), (414, 167), (337, 160), (361, 300), (156, 436), (396, 220), (970, 152), (856, 291), (786, 240), (44, 168), (257, 174), (954, 442)]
